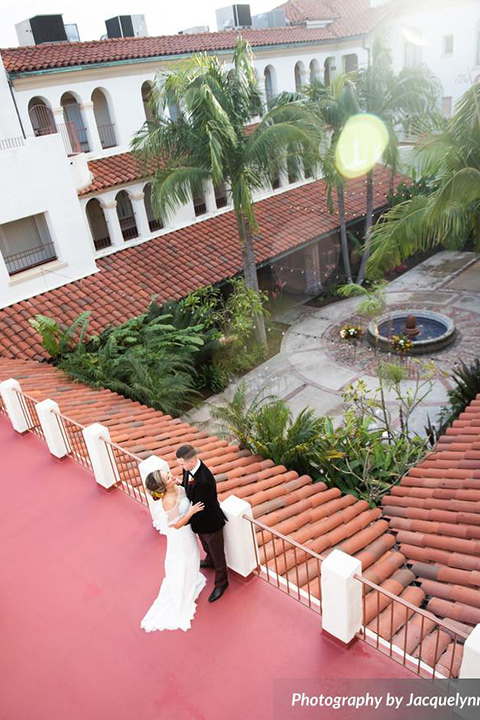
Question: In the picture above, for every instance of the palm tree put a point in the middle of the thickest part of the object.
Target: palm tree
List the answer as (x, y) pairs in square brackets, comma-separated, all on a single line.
[(335, 104), (449, 216), (393, 98), (208, 141)]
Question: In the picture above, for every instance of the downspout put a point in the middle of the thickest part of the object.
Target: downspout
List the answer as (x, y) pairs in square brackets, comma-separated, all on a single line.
[(10, 85)]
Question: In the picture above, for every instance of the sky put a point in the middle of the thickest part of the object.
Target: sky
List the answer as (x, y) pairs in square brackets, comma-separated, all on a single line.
[(163, 17)]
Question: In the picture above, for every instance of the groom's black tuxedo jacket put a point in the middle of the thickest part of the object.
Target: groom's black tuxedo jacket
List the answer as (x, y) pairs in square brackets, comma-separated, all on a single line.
[(204, 489)]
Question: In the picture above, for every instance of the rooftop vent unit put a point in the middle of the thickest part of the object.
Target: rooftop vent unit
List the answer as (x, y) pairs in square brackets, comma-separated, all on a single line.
[(273, 19), (126, 26), (233, 17), (194, 30), (41, 29), (72, 32)]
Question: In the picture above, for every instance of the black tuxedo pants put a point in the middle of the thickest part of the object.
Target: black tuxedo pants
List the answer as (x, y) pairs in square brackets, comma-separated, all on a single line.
[(212, 543)]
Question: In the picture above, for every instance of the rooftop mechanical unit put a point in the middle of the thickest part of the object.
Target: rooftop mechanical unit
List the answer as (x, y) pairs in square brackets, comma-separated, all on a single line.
[(126, 26), (233, 17), (272, 19), (41, 29)]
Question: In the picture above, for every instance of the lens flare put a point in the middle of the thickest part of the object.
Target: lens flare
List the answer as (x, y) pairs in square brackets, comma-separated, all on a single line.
[(360, 145)]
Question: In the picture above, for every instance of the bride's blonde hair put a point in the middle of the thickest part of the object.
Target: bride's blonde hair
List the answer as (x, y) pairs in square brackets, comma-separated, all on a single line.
[(155, 484)]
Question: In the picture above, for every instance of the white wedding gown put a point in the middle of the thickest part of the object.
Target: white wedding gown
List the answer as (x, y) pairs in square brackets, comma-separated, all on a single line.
[(175, 604)]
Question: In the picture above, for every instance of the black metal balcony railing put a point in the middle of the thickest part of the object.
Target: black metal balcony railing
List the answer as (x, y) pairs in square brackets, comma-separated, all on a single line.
[(107, 135), (16, 262), (102, 243), (129, 228)]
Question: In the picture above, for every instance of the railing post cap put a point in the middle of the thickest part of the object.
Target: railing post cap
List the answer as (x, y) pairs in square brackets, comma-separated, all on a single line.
[(10, 383), (47, 404), (342, 563), (95, 429), (236, 505)]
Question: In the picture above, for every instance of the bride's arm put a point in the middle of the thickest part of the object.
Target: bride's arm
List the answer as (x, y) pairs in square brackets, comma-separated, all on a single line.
[(198, 507)]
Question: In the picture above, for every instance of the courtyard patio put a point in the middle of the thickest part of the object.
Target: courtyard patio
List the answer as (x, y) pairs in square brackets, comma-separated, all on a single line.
[(315, 365)]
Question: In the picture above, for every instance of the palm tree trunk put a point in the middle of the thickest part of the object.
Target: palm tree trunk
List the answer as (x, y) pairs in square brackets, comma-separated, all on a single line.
[(343, 234), (250, 271), (368, 228)]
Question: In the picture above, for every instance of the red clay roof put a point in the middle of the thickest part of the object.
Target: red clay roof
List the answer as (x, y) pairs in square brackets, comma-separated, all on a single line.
[(179, 262), (116, 170), (352, 17), (318, 517), (435, 513)]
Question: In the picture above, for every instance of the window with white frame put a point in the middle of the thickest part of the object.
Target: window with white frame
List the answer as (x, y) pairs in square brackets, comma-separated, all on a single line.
[(26, 243)]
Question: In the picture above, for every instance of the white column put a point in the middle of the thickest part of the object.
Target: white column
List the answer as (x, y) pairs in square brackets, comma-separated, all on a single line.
[(88, 117), (240, 542), (106, 472), (341, 595), (11, 400), (283, 175), (141, 218), (58, 116), (209, 194), (147, 466), (113, 223), (470, 667), (57, 443)]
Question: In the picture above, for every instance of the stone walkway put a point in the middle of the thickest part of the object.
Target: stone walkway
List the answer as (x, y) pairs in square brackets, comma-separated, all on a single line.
[(314, 365)]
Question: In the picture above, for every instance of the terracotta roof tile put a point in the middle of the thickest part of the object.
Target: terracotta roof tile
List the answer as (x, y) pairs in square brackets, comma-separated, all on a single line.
[(154, 264), (355, 18)]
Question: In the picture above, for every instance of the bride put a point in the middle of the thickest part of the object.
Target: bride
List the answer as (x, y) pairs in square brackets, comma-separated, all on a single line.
[(175, 604)]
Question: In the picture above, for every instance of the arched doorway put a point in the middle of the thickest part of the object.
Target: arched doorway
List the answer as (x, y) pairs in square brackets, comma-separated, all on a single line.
[(126, 216), (146, 92), (270, 84), (98, 224), (329, 71), (106, 129), (314, 72), (74, 120), (153, 223), (41, 117), (299, 75)]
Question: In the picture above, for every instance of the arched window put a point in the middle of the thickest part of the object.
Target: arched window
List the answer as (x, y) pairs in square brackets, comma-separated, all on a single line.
[(199, 204), (41, 117), (153, 223), (106, 129), (98, 224), (76, 129), (413, 42), (221, 195), (350, 63), (126, 216), (314, 71), (299, 75), (146, 90), (329, 70), (270, 83)]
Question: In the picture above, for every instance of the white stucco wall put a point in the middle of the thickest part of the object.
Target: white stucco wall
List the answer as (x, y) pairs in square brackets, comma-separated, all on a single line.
[(37, 178)]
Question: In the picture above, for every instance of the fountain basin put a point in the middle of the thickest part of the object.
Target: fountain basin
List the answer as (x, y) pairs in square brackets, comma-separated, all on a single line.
[(436, 331)]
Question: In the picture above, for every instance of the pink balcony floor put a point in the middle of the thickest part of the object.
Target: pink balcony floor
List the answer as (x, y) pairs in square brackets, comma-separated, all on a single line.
[(79, 568)]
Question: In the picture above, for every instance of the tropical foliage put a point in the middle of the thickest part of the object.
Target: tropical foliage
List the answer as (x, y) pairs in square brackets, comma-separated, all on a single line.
[(466, 379), (208, 141)]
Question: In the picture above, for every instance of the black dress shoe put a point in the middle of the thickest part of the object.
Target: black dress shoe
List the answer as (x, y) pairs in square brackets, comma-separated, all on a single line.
[(218, 592), (205, 563)]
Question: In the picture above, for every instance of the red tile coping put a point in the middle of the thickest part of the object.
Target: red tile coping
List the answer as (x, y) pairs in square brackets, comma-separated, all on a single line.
[(355, 18), (117, 170), (178, 262), (310, 513), (435, 514)]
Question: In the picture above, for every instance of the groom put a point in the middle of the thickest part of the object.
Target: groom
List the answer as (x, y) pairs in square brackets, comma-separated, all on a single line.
[(200, 486)]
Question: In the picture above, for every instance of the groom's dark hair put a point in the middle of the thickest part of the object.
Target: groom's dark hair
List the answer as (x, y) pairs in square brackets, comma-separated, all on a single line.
[(186, 452)]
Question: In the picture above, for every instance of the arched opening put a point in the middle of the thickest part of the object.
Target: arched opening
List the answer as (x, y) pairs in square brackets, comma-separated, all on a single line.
[(174, 111), (76, 129), (146, 92), (350, 63), (98, 224), (314, 72), (41, 117), (199, 203), (329, 71), (126, 216), (299, 75), (413, 42), (221, 199), (153, 223), (106, 129), (270, 83)]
